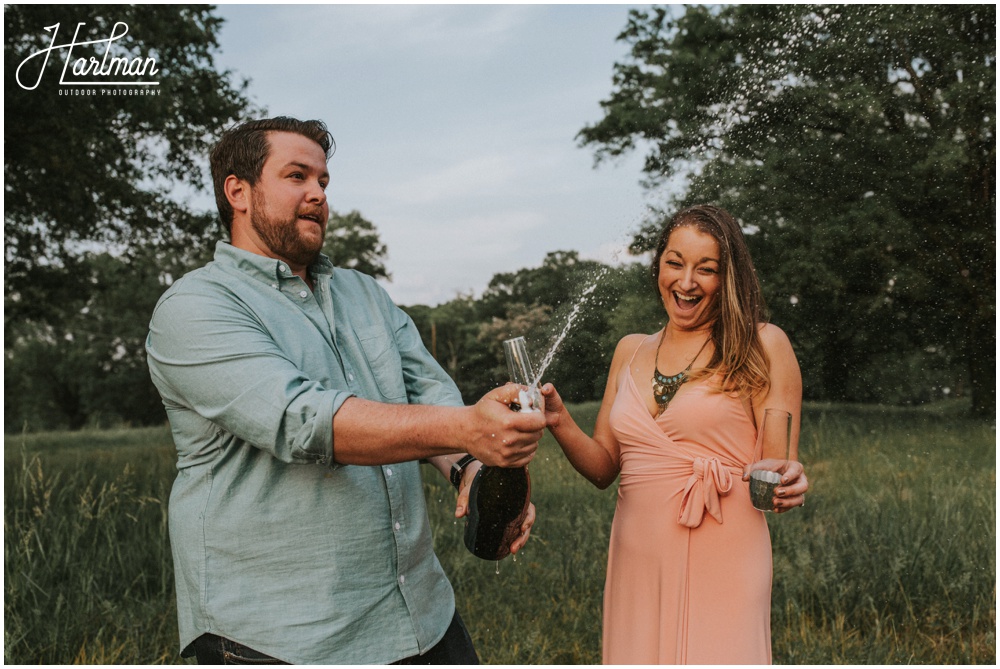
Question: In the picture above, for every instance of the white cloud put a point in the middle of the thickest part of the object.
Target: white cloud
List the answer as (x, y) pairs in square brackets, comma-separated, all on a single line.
[(380, 32), (478, 175)]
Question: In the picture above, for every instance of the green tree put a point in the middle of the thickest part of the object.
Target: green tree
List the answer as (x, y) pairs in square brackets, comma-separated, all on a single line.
[(82, 170), (93, 228), (560, 278), (352, 242), (520, 321), (576, 310), (465, 335), (86, 365), (567, 287), (857, 144), (638, 307)]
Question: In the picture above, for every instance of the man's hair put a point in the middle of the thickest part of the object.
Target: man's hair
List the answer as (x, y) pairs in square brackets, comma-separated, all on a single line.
[(243, 149), (739, 310)]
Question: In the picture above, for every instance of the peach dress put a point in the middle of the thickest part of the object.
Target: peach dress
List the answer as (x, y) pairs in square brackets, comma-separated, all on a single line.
[(689, 565)]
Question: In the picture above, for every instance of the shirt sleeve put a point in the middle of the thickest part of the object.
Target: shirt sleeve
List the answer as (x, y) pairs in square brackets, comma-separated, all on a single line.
[(425, 380), (213, 357)]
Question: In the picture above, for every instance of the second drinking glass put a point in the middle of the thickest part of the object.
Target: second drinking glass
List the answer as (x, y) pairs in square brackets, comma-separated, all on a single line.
[(770, 457)]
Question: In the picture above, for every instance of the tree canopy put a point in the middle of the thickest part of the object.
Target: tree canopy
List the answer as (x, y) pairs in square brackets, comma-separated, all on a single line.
[(100, 169), (858, 146), (352, 241), (96, 218)]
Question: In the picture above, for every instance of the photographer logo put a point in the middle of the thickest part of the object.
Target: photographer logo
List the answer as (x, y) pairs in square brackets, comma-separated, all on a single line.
[(92, 66)]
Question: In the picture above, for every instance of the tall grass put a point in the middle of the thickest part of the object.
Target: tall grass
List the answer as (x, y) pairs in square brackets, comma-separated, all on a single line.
[(88, 576), (893, 559)]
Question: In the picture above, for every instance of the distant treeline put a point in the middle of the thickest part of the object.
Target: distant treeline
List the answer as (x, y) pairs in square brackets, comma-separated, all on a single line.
[(89, 368)]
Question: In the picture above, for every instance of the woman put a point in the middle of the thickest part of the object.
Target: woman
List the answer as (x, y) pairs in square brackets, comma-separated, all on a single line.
[(689, 565)]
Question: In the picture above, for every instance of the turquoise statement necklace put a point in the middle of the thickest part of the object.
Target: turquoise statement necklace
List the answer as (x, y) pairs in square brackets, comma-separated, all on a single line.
[(665, 387)]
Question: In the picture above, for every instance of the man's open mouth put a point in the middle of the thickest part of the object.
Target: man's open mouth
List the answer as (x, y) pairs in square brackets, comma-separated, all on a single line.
[(315, 218)]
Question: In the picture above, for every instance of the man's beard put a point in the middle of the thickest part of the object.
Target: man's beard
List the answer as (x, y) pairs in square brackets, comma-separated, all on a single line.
[(282, 239)]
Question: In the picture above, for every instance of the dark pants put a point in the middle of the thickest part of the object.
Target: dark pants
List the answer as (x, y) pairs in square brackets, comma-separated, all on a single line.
[(454, 648)]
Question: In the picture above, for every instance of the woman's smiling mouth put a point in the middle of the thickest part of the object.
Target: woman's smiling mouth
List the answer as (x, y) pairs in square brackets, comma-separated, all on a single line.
[(686, 302)]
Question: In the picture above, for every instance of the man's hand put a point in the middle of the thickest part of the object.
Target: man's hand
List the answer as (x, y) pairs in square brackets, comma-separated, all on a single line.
[(500, 437)]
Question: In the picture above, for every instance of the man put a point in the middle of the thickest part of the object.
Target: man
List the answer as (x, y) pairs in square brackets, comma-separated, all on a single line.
[(300, 400)]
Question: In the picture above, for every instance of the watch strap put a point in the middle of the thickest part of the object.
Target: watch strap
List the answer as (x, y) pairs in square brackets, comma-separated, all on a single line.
[(458, 467)]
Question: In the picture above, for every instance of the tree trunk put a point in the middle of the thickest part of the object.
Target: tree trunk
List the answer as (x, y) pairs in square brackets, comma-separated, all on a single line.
[(982, 357)]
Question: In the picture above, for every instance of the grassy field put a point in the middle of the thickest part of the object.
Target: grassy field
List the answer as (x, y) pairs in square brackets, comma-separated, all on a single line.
[(893, 560)]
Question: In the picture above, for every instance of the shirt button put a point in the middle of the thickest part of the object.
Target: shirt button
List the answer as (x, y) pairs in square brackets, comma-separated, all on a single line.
[(350, 377), (402, 580), (388, 472), (302, 293), (274, 285), (282, 269), (396, 526)]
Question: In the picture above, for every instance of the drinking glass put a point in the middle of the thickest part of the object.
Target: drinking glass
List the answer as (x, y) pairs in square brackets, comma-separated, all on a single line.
[(519, 366), (770, 457)]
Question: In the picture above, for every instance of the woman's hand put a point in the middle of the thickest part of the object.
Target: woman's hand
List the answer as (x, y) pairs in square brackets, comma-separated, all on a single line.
[(792, 491), (554, 407), (522, 538), (465, 486)]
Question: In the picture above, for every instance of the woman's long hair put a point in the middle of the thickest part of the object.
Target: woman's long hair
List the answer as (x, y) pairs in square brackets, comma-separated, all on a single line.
[(739, 355)]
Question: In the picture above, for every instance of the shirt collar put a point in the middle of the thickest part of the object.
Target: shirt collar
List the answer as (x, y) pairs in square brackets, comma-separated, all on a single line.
[(264, 268)]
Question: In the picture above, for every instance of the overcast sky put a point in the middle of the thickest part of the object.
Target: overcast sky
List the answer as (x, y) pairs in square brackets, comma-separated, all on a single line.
[(455, 128)]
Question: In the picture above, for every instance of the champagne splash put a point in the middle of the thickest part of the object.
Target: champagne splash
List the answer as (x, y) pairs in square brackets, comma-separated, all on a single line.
[(547, 360)]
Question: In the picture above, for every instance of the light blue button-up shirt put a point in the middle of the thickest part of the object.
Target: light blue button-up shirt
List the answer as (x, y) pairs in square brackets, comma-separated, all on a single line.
[(275, 546)]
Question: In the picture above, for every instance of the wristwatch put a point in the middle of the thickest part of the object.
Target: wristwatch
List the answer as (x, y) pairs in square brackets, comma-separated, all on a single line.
[(458, 467)]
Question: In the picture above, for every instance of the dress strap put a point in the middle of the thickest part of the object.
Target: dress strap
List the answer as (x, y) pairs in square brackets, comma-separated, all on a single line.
[(627, 368), (637, 349)]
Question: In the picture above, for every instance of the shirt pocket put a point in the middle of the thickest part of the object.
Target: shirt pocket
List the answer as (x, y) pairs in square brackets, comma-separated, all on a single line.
[(384, 362)]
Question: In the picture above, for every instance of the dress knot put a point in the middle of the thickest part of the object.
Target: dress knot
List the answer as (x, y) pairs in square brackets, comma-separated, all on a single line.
[(709, 480)]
